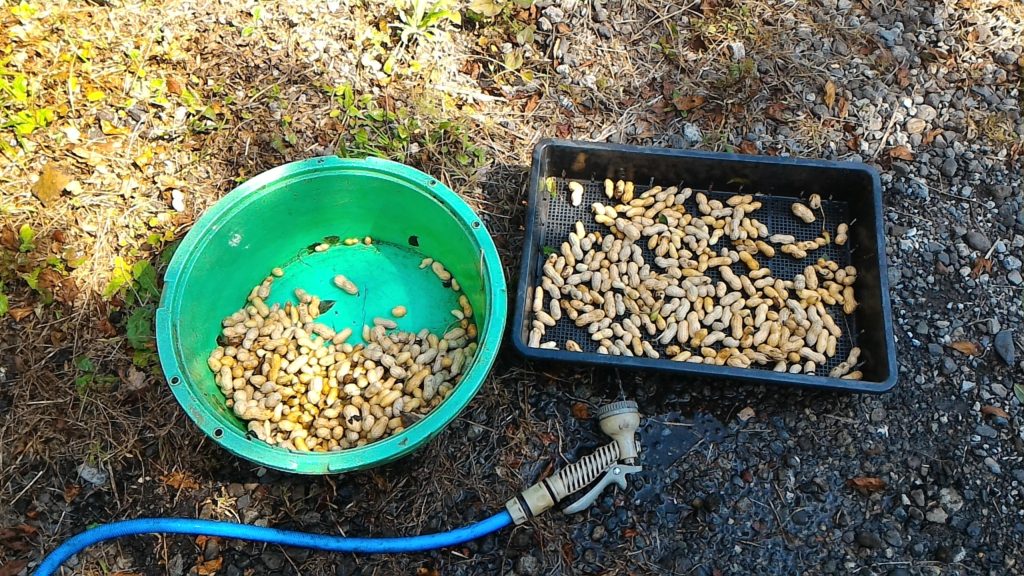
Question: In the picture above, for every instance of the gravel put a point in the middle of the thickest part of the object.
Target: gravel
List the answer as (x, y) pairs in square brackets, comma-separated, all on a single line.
[(773, 493)]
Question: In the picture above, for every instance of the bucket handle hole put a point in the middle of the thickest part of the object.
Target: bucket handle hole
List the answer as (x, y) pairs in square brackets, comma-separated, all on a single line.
[(414, 240), (432, 183), (476, 223), (175, 380), (218, 432)]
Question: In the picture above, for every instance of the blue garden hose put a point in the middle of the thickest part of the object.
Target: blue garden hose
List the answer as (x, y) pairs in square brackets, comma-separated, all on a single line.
[(396, 545)]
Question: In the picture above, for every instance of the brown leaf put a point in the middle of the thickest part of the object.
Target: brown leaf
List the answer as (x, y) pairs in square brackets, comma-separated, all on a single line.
[(901, 153), (853, 143), (746, 414), (209, 567), (580, 411), (630, 533), (9, 238), (547, 438), (830, 93), (50, 184), (687, 103), (981, 266), (994, 411), (13, 567), (531, 104), (19, 313), (844, 107), (180, 481), (563, 130), (866, 484), (967, 347), (929, 136), (903, 76), (748, 147), (71, 491), (174, 86), (774, 111)]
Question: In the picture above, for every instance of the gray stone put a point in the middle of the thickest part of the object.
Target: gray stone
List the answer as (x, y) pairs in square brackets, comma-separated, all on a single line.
[(1000, 390), (977, 241), (1011, 263), (554, 14), (273, 559), (692, 134), (993, 466), (915, 126), (878, 415), (986, 431), (599, 533), (1015, 278), (894, 538), (934, 349), (527, 566), (868, 539), (918, 497), (92, 474), (937, 515), (1004, 346), (948, 168), (926, 112), (176, 566), (951, 500)]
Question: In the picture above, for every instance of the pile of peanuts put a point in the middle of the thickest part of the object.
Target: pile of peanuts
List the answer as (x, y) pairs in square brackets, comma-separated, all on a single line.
[(302, 387), (601, 282)]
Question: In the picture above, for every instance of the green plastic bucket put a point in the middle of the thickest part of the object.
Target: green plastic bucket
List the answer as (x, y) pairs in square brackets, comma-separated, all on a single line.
[(273, 220)]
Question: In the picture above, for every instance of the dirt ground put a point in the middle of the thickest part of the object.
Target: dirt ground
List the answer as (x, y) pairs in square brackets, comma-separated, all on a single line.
[(123, 121)]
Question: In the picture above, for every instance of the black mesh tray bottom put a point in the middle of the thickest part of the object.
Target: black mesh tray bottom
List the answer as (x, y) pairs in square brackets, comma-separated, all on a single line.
[(557, 217)]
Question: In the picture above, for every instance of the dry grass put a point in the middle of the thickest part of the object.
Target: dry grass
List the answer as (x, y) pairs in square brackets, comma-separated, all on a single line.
[(144, 98)]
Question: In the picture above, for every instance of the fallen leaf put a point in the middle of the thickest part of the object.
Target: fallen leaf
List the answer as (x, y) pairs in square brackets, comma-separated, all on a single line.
[(929, 136), (1018, 391), (853, 143), (547, 438), (19, 313), (687, 103), (903, 77), (174, 86), (13, 567), (50, 184), (746, 414), (630, 533), (71, 491), (748, 147), (489, 8), (774, 111), (830, 93), (994, 411), (563, 130), (209, 567), (111, 130), (866, 484), (144, 158), (580, 411), (981, 266), (531, 104), (901, 153), (967, 347), (844, 107), (180, 481)]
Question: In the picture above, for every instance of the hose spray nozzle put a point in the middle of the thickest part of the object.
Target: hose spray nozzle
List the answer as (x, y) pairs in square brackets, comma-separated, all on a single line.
[(609, 463)]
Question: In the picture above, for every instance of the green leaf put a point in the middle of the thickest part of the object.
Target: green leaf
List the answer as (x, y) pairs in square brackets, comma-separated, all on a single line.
[(84, 363), (32, 278), (119, 278), (1018, 390), (140, 328), (145, 277), (548, 250), (489, 8), (27, 236), (143, 358), (4, 305)]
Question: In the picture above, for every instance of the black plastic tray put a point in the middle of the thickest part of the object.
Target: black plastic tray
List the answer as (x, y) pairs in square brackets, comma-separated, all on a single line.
[(851, 193)]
